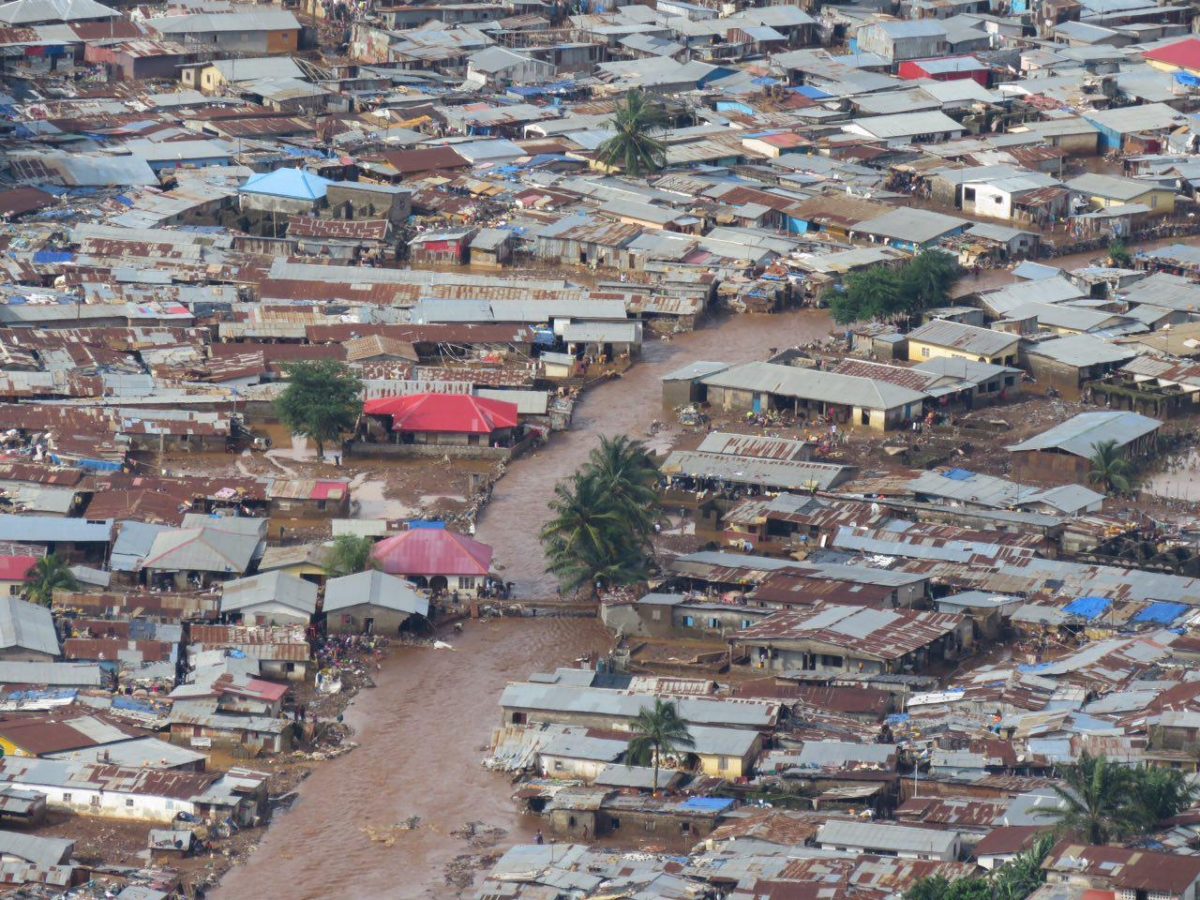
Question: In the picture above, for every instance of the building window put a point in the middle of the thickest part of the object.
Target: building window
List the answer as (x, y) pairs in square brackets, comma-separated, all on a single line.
[(689, 622), (129, 802), (466, 584), (746, 623), (714, 623), (925, 352), (558, 766), (656, 615), (723, 764), (66, 798)]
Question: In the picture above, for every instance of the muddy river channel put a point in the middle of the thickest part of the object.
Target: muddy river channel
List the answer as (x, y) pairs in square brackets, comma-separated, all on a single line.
[(424, 730)]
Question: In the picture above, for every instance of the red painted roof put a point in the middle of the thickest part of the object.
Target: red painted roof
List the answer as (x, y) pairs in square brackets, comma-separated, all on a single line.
[(456, 413), (432, 551), (1185, 54), (16, 568), (329, 490)]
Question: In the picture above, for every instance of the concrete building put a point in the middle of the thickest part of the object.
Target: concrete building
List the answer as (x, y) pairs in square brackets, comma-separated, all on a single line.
[(371, 602)]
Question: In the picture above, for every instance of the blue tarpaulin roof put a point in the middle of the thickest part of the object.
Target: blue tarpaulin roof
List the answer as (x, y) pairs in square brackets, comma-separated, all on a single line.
[(428, 525), (47, 694), (1088, 607), (811, 93), (44, 257), (89, 465), (708, 804), (958, 475), (1161, 613), (132, 704)]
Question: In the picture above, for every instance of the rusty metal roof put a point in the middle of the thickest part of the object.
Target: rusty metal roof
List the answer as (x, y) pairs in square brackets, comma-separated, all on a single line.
[(877, 633)]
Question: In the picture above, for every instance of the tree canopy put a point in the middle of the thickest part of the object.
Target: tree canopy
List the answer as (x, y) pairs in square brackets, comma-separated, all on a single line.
[(1102, 800), (657, 731), (634, 148), (604, 518), (1110, 470), (1015, 880), (322, 401), (350, 554), (921, 283), (50, 573)]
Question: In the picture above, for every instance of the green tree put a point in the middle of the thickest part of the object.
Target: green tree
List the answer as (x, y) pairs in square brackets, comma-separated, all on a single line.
[(1158, 795), (1110, 470), (604, 517), (588, 541), (1096, 796), (50, 573), (874, 293), (322, 401), (634, 148), (1015, 880), (1119, 254), (1023, 874), (927, 279), (657, 731), (625, 470), (350, 553)]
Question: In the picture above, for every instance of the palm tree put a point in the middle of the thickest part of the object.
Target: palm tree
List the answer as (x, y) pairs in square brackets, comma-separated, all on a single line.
[(1095, 799), (349, 553), (626, 471), (1160, 794), (51, 573), (1110, 469), (658, 731), (587, 540), (634, 148)]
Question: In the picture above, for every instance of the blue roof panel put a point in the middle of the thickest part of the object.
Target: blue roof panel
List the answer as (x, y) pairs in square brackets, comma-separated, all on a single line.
[(1088, 607)]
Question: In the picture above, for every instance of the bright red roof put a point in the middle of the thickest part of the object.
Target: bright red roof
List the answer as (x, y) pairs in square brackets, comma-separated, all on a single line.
[(457, 413), (329, 490), (1185, 54), (432, 551), (16, 568)]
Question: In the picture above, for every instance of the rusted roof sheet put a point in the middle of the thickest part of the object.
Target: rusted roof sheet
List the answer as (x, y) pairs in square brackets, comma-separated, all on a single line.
[(876, 633), (343, 229)]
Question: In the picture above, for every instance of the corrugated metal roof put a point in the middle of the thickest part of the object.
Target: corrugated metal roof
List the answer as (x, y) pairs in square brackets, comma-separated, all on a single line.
[(1081, 434)]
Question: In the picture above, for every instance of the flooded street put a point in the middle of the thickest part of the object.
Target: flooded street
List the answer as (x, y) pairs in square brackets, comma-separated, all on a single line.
[(422, 730), (511, 521)]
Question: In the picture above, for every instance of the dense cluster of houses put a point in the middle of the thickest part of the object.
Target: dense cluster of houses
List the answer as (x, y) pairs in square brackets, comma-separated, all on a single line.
[(851, 720), (195, 196)]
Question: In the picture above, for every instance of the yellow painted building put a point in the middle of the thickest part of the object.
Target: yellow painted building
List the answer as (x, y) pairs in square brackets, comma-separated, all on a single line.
[(305, 561), (1112, 192), (727, 753), (954, 340)]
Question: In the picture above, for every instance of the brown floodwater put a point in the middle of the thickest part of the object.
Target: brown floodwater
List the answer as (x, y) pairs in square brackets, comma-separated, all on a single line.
[(424, 730), (423, 733), (628, 405)]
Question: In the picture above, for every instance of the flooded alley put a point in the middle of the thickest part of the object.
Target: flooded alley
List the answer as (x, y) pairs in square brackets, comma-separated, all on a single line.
[(511, 521), (423, 732)]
